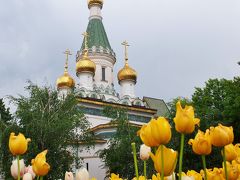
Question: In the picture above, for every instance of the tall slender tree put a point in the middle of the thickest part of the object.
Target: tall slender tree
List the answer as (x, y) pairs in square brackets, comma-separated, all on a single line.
[(51, 124)]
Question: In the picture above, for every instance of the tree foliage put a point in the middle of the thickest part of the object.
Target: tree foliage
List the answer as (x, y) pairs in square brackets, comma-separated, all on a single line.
[(219, 102), (51, 124), (118, 155), (7, 125)]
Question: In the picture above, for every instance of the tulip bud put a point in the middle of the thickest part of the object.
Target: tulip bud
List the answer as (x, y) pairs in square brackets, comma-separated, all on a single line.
[(221, 135), (30, 170), (68, 176), (18, 144), (156, 132), (144, 152), (39, 164), (201, 144), (14, 168), (231, 152), (169, 158), (82, 174), (27, 176), (185, 120)]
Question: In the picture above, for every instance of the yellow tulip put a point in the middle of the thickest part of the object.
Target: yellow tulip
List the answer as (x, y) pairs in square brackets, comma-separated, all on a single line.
[(236, 164), (196, 175), (221, 135), (230, 152), (232, 170), (156, 132), (169, 159), (39, 164), (201, 144), (237, 148), (18, 144), (139, 178), (184, 120), (115, 177), (215, 174), (186, 177), (156, 177)]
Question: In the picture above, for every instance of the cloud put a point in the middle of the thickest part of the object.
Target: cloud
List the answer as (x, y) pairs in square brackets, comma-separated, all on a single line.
[(175, 45)]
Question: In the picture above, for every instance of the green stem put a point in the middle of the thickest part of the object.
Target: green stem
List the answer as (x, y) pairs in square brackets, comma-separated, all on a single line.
[(135, 159), (204, 166), (18, 163), (41, 178), (145, 169), (181, 156), (37, 177), (224, 163), (162, 163)]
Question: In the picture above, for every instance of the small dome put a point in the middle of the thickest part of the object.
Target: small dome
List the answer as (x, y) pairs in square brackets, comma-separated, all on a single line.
[(127, 73), (92, 2), (65, 81), (85, 65)]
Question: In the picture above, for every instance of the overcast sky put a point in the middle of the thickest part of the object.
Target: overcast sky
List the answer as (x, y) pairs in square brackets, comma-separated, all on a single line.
[(176, 45)]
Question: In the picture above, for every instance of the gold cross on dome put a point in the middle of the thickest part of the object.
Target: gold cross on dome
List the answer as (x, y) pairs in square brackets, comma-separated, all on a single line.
[(85, 34), (126, 45), (68, 53)]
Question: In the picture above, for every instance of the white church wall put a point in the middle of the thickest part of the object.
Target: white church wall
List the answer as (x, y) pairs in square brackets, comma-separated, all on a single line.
[(90, 160), (96, 120), (127, 88), (107, 62), (86, 80), (63, 92), (93, 163)]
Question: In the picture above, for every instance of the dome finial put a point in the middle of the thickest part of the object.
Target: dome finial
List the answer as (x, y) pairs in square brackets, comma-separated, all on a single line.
[(68, 53), (125, 44), (85, 64), (127, 73), (65, 80)]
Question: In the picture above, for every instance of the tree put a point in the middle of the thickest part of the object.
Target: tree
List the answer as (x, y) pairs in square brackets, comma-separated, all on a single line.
[(6, 125), (118, 155), (51, 124), (219, 102)]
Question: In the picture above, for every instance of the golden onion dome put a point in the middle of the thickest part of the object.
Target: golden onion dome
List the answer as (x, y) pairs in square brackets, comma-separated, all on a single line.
[(93, 2), (65, 81), (85, 64), (127, 73)]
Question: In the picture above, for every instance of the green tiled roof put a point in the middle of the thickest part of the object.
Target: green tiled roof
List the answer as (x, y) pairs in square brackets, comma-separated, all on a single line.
[(158, 104), (97, 35)]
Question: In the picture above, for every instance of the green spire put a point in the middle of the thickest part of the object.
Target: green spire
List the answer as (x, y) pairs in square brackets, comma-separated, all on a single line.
[(97, 35)]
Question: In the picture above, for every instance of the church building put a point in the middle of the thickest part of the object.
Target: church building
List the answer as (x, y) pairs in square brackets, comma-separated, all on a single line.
[(95, 89)]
